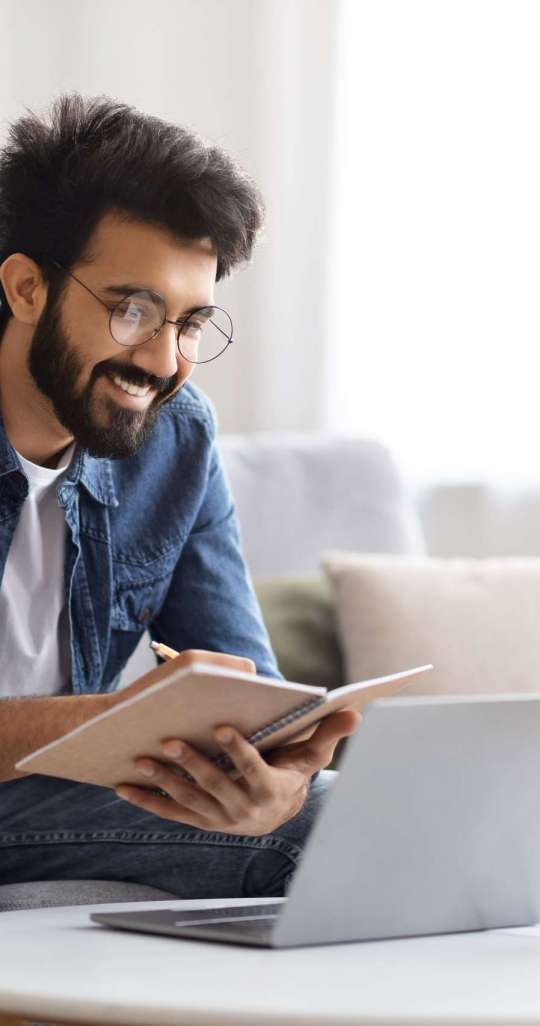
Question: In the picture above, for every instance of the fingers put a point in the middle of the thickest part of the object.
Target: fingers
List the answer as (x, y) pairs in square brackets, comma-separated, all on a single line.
[(251, 766), (161, 806), (250, 763), (159, 775), (210, 778), (211, 790)]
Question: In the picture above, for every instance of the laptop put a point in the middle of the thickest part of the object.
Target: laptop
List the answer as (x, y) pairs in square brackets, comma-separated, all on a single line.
[(431, 826)]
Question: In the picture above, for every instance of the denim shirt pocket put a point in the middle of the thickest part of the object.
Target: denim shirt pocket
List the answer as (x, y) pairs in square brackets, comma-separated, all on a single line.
[(139, 593)]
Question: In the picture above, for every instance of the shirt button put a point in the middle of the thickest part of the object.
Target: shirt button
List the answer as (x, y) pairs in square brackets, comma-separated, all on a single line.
[(145, 615)]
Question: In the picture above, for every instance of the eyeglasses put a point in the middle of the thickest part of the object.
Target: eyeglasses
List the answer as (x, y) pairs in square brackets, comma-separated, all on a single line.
[(201, 336)]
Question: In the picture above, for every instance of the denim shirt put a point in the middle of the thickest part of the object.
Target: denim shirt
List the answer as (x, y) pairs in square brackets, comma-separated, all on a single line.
[(152, 543)]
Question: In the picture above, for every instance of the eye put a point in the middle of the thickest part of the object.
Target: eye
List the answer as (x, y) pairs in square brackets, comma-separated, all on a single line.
[(193, 327), (135, 312)]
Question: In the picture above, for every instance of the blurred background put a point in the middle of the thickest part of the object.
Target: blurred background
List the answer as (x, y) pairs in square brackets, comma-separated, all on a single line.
[(395, 292)]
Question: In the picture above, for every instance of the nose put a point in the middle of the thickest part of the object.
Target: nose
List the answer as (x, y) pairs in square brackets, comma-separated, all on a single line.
[(159, 356)]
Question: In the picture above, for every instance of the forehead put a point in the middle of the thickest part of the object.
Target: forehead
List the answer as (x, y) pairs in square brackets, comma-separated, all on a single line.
[(124, 250)]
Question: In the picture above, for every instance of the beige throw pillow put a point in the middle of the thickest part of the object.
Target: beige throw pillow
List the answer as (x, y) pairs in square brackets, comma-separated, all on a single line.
[(476, 620)]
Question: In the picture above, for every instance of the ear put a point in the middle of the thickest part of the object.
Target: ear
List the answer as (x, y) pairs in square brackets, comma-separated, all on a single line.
[(25, 288)]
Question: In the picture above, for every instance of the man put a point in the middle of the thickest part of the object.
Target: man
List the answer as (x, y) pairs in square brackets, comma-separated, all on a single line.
[(114, 513)]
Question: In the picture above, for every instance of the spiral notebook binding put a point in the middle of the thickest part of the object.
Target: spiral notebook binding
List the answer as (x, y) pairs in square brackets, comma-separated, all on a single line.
[(225, 762), (290, 717)]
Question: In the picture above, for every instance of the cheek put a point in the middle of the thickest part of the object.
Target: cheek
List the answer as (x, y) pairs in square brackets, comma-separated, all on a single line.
[(185, 370), (88, 336)]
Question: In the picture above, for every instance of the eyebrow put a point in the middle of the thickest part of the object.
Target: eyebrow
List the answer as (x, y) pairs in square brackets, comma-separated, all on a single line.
[(118, 290), (127, 287)]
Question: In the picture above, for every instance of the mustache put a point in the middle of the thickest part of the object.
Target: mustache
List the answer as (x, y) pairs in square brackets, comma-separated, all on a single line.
[(133, 375)]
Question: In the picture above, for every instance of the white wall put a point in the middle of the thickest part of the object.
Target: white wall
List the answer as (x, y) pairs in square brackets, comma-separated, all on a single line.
[(435, 312), (256, 76)]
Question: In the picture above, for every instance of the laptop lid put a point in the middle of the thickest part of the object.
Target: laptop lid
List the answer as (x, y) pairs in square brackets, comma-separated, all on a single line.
[(432, 825)]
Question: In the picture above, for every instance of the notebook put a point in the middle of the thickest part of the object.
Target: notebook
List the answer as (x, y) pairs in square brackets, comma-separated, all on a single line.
[(189, 703)]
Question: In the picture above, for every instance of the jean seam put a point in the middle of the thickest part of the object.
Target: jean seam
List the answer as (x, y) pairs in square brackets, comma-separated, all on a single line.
[(215, 839)]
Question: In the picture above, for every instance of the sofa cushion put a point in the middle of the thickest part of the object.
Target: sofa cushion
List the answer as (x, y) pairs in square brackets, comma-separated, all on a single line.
[(477, 621), (299, 615), (299, 494), (49, 893)]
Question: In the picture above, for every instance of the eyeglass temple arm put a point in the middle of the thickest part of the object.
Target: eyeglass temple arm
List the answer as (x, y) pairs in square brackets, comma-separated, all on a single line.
[(79, 282)]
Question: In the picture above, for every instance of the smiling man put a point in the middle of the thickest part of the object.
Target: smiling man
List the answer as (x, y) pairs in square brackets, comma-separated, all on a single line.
[(114, 513)]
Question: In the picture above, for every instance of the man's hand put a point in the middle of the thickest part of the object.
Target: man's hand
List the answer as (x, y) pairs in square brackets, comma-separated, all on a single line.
[(267, 794)]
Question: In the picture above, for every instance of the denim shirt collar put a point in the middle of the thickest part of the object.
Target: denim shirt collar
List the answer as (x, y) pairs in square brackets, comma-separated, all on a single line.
[(8, 456), (94, 474)]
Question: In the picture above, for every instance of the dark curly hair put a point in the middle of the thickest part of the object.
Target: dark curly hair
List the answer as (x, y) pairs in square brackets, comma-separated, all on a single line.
[(60, 173)]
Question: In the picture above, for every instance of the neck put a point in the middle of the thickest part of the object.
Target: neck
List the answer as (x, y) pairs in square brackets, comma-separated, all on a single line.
[(28, 416)]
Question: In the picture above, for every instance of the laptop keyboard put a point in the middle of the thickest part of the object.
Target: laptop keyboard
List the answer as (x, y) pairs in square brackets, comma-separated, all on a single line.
[(244, 913)]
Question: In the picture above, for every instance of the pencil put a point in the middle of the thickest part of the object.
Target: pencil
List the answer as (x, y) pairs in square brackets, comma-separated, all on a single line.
[(163, 650)]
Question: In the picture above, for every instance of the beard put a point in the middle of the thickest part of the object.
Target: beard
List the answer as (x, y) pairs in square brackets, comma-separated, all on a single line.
[(103, 427)]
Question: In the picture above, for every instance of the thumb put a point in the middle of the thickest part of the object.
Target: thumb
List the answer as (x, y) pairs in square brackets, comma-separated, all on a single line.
[(318, 750), (337, 725)]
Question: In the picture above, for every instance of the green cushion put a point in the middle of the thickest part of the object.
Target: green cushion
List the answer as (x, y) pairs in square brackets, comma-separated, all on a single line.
[(299, 616)]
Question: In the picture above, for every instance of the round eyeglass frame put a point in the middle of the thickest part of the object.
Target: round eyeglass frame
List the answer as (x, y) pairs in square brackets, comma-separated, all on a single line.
[(176, 324)]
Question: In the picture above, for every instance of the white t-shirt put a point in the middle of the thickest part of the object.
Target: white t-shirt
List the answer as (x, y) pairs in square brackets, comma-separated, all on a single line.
[(34, 630)]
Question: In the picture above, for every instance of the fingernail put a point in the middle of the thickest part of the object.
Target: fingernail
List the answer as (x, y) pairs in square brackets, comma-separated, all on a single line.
[(224, 734), (173, 748), (146, 769)]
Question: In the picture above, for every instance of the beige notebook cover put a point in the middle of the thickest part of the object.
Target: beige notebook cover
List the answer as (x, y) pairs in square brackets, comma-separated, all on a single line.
[(189, 703)]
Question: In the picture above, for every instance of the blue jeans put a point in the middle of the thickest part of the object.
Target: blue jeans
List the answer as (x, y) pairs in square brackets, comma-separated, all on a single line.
[(54, 829)]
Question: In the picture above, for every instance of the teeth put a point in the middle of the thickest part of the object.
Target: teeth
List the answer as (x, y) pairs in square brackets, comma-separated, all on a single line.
[(129, 388)]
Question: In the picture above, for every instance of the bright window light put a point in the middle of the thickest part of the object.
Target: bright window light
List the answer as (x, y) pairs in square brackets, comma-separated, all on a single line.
[(434, 326)]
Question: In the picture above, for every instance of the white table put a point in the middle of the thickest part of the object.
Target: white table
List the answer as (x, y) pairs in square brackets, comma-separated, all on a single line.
[(56, 965)]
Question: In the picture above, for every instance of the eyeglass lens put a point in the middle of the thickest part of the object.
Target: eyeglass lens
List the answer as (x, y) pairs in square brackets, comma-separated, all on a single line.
[(202, 336)]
